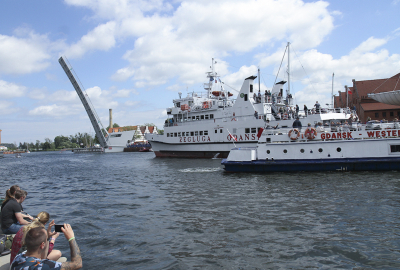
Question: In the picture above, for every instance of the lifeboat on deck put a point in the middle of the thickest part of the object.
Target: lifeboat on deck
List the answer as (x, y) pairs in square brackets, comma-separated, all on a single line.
[(221, 93)]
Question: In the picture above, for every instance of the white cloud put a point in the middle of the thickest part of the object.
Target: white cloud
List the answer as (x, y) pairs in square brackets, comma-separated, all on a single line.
[(235, 80), (7, 107), (184, 40), (53, 110), (123, 93), (68, 102), (369, 45), (65, 96), (10, 90), (101, 38), (25, 52), (362, 63), (123, 74), (111, 9), (131, 103), (38, 94)]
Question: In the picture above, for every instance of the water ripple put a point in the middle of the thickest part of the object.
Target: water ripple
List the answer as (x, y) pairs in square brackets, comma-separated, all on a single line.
[(131, 210)]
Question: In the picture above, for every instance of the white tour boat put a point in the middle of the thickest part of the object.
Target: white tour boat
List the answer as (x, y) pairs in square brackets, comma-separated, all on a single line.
[(343, 148), (203, 125)]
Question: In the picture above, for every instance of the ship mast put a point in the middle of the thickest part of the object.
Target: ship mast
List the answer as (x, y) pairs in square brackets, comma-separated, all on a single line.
[(288, 55)]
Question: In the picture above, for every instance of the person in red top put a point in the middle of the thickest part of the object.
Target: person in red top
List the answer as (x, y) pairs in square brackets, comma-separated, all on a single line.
[(40, 221)]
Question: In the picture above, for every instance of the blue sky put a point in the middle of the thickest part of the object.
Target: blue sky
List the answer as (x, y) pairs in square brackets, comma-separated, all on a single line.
[(135, 56)]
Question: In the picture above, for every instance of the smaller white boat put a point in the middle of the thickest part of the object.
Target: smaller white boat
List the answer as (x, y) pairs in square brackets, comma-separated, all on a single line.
[(332, 148)]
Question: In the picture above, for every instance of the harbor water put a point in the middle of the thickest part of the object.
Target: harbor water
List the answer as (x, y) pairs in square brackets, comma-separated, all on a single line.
[(134, 211)]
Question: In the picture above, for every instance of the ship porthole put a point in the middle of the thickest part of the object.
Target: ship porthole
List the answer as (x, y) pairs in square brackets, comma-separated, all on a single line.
[(285, 151), (339, 149), (320, 150), (268, 151), (301, 150)]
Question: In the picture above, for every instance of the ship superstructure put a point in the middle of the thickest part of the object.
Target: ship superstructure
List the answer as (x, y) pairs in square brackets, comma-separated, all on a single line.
[(210, 124)]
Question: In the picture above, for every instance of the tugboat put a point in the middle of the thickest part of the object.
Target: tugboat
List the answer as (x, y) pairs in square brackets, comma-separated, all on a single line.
[(327, 148)]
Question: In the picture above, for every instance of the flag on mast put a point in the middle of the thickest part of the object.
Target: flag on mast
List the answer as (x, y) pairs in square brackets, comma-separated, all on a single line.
[(233, 137)]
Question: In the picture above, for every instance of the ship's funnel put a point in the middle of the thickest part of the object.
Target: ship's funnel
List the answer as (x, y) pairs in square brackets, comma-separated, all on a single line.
[(278, 88)]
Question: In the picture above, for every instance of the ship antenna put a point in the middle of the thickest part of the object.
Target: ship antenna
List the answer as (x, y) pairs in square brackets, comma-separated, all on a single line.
[(288, 56)]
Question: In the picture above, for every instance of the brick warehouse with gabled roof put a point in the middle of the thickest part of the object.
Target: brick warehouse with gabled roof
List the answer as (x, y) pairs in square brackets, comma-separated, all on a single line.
[(368, 107)]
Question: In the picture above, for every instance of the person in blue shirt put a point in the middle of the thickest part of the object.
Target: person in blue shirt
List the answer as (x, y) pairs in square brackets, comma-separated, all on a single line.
[(37, 248)]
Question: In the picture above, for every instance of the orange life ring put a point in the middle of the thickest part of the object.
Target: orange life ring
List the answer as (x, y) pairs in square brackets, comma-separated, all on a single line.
[(310, 133), (296, 134)]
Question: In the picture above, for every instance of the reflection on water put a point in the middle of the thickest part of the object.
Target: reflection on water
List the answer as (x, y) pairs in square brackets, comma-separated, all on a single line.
[(131, 210)]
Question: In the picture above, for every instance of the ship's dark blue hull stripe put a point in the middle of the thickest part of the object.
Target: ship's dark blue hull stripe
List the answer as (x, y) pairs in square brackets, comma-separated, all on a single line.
[(343, 164)]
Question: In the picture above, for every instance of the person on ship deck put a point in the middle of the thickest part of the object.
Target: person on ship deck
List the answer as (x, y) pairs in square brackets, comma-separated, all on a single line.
[(297, 124)]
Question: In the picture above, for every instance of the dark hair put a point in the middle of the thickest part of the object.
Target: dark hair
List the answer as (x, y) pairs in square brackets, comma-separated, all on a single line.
[(19, 194), (10, 193), (34, 237)]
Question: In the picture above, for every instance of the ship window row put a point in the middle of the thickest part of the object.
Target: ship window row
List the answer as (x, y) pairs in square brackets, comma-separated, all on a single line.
[(251, 130), (197, 117), (337, 149), (188, 133)]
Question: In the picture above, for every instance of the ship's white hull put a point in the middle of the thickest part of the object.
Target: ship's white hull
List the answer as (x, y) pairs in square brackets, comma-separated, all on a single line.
[(330, 151), (118, 141), (196, 150), (229, 135)]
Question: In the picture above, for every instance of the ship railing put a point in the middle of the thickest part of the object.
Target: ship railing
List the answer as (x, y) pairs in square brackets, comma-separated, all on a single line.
[(281, 134)]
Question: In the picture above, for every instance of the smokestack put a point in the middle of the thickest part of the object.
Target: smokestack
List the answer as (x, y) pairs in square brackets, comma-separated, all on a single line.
[(111, 123), (0, 136)]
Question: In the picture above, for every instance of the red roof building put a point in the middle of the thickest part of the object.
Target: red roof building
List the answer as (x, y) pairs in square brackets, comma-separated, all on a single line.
[(367, 107)]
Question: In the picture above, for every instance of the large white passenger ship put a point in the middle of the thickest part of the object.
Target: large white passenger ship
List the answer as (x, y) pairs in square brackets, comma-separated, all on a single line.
[(205, 125)]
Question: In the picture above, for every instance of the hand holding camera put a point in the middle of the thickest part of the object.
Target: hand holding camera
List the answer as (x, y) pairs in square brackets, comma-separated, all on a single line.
[(68, 232)]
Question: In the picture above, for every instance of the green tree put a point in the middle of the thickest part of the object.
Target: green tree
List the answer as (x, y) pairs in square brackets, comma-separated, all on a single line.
[(61, 141), (115, 125), (46, 146), (37, 145), (31, 146), (72, 139)]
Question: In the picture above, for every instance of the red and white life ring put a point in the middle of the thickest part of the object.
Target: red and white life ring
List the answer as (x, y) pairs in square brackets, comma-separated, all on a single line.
[(310, 133), (294, 134)]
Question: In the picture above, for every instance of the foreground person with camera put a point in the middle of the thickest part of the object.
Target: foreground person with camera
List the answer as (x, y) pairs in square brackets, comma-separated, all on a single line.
[(37, 246)]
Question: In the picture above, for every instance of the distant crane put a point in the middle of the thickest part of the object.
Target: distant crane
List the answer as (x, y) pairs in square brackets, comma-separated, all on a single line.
[(94, 118)]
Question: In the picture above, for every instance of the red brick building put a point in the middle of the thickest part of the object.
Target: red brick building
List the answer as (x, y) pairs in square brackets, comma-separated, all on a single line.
[(368, 107)]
